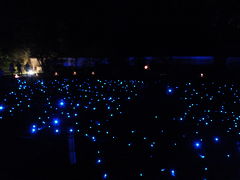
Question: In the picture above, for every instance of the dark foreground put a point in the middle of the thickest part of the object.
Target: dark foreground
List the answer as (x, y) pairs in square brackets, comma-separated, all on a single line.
[(122, 129)]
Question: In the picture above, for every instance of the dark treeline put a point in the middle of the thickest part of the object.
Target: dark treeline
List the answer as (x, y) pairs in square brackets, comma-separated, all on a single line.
[(126, 28)]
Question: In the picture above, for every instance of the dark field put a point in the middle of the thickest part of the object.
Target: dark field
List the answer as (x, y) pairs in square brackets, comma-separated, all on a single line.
[(119, 129)]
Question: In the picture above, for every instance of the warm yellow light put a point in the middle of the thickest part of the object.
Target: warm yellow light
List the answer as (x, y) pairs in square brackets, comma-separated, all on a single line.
[(74, 73), (31, 72)]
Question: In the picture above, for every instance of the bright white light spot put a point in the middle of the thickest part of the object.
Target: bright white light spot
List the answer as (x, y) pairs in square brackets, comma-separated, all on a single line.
[(17, 76), (31, 72), (146, 67)]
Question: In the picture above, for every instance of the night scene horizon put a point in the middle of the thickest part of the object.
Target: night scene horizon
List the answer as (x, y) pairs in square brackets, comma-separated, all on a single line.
[(119, 90)]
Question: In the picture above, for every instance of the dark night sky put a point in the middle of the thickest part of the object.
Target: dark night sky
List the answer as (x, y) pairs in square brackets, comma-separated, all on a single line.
[(121, 25)]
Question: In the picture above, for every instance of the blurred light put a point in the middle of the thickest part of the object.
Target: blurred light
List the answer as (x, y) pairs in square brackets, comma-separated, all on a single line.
[(216, 139), (105, 176), (75, 73), (173, 173), (61, 103), (94, 139), (31, 72), (197, 145), (202, 75), (1, 108), (17, 76), (169, 91), (56, 121), (146, 67), (56, 74), (93, 73)]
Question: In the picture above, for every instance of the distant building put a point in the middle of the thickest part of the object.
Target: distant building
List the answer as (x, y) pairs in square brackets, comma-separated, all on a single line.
[(35, 64)]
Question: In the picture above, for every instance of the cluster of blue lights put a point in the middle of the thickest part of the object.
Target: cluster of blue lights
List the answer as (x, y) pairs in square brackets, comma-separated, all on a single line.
[(206, 120)]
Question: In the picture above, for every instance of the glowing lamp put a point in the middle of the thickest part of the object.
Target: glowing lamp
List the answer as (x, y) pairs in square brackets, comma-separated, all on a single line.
[(74, 73), (17, 76), (146, 67), (93, 73), (31, 72), (56, 74)]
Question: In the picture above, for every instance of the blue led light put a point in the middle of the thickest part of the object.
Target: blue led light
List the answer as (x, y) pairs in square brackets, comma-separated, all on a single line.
[(1, 108), (56, 131), (70, 130), (61, 103), (99, 161), (169, 91), (33, 130), (105, 176), (216, 139), (173, 173), (197, 145), (56, 121)]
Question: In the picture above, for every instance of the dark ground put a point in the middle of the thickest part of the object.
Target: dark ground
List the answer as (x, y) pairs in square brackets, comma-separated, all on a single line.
[(25, 156)]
